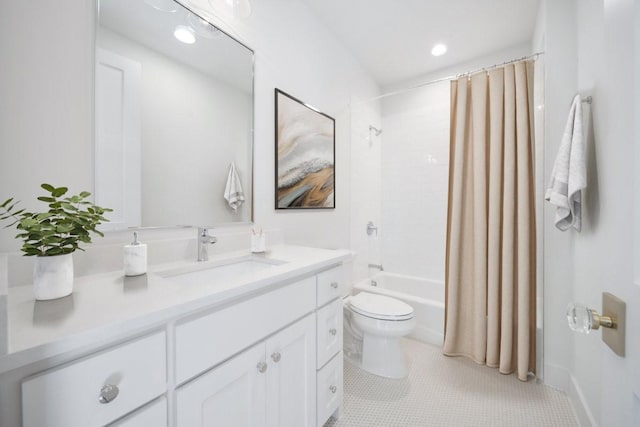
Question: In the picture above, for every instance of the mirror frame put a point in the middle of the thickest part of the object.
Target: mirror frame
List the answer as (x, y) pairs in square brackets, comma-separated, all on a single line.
[(251, 220)]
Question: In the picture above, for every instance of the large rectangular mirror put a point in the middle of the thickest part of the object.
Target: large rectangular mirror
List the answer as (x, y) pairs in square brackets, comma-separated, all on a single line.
[(173, 113)]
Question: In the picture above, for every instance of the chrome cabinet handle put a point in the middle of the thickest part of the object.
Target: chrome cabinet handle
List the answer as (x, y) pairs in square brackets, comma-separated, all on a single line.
[(276, 357), (262, 367), (334, 285), (333, 389), (108, 393), (333, 331)]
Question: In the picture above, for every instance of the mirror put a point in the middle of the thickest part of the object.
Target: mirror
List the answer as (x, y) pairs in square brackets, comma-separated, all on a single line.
[(174, 111)]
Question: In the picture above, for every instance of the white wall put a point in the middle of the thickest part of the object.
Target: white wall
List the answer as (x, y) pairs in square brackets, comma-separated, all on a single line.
[(605, 69), (47, 110), (296, 53), (46, 107), (590, 50), (192, 123), (366, 183), (415, 171)]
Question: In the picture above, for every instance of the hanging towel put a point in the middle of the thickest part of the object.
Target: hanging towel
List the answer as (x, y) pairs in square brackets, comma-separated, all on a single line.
[(569, 174), (233, 193)]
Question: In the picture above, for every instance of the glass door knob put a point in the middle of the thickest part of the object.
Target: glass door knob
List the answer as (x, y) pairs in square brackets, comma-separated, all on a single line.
[(583, 319)]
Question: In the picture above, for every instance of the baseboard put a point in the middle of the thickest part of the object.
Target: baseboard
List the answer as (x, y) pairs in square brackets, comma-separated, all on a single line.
[(556, 377), (561, 379), (579, 404)]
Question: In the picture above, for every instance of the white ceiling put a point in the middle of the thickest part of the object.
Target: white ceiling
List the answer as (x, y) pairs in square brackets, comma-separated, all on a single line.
[(392, 39)]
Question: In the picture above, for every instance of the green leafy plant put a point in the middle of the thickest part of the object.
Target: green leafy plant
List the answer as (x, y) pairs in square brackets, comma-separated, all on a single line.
[(58, 231)]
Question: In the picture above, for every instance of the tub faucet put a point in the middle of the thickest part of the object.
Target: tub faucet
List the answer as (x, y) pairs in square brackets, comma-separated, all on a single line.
[(378, 266), (204, 239)]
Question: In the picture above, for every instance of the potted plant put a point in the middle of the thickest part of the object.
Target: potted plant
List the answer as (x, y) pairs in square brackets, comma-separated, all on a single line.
[(52, 236)]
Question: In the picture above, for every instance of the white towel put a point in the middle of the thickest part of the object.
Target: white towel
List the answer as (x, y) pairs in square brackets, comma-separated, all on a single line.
[(569, 174), (233, 193)]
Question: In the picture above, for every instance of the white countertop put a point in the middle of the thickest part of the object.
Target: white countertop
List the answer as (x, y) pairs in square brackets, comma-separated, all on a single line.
[(109, 306)]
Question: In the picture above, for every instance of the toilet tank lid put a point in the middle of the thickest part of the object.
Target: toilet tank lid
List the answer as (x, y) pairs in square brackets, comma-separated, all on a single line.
[(379, 305)]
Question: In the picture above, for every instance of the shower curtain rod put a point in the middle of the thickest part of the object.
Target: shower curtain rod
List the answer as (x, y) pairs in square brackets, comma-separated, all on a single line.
[(468, 73)]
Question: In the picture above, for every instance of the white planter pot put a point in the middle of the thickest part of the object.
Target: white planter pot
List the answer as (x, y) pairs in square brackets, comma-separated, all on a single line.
[(53, 277)]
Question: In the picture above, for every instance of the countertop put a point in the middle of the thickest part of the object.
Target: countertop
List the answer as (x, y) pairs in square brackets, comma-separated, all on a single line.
[(108, 306)]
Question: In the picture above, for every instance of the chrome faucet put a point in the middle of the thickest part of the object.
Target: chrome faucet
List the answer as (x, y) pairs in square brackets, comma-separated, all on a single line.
[(203, 240)]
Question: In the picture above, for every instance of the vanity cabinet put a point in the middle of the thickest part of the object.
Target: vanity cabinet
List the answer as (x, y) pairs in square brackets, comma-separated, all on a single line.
[(271, 384), (271, 357)]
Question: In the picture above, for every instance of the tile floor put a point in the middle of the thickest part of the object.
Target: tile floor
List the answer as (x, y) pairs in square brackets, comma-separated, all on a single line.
[(448, 391)]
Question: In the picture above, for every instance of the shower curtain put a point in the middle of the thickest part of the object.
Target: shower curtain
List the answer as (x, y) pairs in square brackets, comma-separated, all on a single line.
[(491, 247)]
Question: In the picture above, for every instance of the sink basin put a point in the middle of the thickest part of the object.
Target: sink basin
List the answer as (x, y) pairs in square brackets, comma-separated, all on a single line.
[(220, 272)]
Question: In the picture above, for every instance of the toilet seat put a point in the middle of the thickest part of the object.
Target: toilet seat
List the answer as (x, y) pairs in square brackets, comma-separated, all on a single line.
[(380, 307)]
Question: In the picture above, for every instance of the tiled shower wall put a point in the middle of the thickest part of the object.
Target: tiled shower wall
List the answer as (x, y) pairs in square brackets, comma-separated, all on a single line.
[(415, 155)]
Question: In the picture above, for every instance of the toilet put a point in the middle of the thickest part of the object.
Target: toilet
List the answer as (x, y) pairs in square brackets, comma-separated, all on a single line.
[(373, 326)]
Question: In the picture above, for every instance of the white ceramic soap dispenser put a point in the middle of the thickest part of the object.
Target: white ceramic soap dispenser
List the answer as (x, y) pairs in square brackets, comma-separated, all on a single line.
[(135, 257)]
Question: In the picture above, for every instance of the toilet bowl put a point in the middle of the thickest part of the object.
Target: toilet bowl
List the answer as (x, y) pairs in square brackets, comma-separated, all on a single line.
[(373, 326)]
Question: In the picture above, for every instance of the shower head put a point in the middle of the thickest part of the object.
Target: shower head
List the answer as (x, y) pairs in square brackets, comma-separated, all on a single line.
[(376, 130)]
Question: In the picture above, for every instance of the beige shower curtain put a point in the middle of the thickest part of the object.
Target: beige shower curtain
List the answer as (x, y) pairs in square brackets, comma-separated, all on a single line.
[(491, 247)]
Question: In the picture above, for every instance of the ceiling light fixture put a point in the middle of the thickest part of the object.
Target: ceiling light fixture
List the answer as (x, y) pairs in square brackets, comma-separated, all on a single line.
[(202, 27), (439, 50), (184, 34)]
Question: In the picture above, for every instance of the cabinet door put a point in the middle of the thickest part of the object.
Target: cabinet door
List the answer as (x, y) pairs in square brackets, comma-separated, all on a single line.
[(291, 377), (233, 394)]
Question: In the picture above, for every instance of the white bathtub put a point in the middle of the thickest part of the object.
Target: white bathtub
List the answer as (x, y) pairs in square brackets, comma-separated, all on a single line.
[(425, 296)]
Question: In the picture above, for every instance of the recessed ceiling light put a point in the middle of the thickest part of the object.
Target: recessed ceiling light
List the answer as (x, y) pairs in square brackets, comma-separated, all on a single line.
[(184, 34), (439, 50)]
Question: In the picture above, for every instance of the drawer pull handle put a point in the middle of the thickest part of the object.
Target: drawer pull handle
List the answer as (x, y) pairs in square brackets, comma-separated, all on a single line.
[(108, 393), (334, 285), (333, 389), (276, 357), (333, 331), (262, 367)]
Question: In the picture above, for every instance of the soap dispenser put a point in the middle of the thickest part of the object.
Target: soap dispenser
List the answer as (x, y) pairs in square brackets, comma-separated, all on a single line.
[(135, 257)]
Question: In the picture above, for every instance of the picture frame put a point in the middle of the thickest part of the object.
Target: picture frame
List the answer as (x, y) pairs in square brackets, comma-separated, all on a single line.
[(304, 155)]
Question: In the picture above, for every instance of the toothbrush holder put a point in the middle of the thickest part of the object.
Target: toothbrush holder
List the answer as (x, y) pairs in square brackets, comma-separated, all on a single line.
[(258, 243)]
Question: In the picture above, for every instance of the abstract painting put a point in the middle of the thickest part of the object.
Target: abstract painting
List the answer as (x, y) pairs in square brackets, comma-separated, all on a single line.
[(305, 155)]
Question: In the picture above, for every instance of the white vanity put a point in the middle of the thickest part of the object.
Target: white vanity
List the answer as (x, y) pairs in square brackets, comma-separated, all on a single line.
[(237, 341)]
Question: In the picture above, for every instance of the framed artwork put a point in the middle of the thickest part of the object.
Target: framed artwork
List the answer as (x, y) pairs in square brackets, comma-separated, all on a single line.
[(305, 155)]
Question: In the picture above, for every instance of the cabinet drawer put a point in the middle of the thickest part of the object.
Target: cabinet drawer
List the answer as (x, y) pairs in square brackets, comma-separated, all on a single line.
[(154, 414), (331, 284), (329, 332), (206, 341), (70, 395), (330, 389)]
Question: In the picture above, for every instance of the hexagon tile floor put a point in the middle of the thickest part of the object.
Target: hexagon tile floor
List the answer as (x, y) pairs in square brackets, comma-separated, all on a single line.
[(448, 391)]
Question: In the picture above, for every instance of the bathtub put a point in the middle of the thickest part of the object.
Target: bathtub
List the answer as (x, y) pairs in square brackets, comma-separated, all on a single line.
[(425, 296)]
